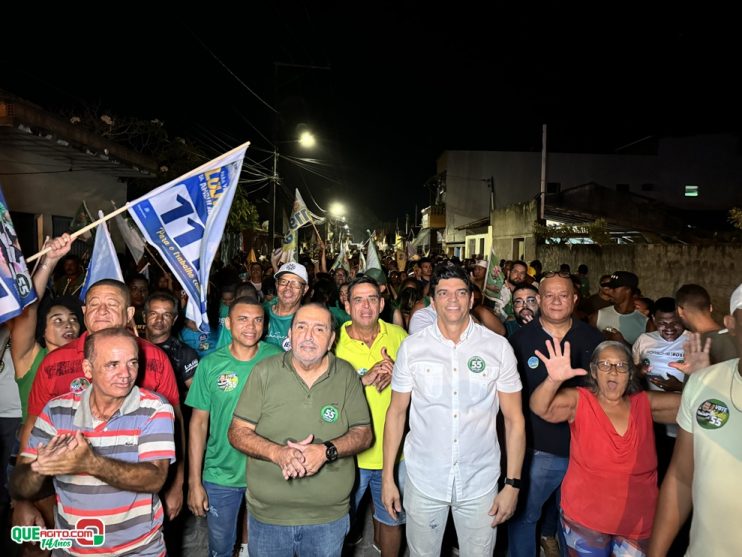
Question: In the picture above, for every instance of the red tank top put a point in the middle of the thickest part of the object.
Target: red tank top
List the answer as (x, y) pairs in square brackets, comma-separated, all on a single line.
[(611, 481)]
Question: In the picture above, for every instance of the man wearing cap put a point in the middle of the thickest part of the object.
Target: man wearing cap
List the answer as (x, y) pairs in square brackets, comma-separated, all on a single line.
[(621, 321), (707, 463), (291, 286), (479, 273)]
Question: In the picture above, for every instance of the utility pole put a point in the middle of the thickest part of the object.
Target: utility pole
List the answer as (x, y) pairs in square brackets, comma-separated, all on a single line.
[(274, 179), (542, 209)]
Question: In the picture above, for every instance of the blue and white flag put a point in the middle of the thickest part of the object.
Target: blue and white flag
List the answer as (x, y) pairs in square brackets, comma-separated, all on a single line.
[(16, 288), (184, 220), (104, 263)]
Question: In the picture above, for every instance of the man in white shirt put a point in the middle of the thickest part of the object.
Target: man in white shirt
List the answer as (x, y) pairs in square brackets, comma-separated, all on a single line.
[(461, 374)]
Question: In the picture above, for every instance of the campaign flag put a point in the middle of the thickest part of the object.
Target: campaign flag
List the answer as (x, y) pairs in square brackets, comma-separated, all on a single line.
[(372, 255), (300, 216), (131, 235), (81, 219), (342, 259), (184, 220), (104, 263), (494, 290), (16, 288)]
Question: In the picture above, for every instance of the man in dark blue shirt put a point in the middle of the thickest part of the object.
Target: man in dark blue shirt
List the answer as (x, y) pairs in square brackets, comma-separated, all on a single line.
[(547, 444)]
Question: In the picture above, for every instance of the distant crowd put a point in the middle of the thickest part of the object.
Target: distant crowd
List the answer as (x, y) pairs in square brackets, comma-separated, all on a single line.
[(585, 421)]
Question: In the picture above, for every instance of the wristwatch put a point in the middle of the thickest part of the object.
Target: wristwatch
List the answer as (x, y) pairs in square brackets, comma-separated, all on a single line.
[(514, 482), (332, 452)]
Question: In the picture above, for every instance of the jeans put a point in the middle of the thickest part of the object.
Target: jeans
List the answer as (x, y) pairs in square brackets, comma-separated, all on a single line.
[(426, 523), (543, 476), (371, 480), (224, 506), (312, 540)]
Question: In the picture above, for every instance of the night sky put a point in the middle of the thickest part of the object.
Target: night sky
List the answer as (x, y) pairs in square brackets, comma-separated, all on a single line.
[(386, 88)]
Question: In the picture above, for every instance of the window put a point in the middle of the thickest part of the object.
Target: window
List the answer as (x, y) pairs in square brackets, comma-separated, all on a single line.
[(691, 190)]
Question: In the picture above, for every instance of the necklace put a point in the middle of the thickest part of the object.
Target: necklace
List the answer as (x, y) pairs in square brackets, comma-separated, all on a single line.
[(731, 392)]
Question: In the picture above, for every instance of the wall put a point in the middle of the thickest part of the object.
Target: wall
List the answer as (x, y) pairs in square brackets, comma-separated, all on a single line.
[(35, 184), (515, 221), (662, 269)]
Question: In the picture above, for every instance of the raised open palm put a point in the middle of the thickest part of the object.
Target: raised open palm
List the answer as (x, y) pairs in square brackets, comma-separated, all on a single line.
[(558, 363)]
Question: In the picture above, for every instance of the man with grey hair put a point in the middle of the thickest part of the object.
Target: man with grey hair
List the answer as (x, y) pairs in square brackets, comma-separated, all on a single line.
[(300, 419), (707, 463)]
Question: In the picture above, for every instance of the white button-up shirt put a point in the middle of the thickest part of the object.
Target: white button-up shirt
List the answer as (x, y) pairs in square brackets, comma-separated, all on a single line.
[(453, 412)]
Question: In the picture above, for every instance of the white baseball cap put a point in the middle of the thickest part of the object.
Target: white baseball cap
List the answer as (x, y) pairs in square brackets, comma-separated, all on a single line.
[(481, 263), (294, 268), (735, 302)]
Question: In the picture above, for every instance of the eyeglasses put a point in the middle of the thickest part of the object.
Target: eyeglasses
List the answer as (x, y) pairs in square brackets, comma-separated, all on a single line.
[(550, 274), (293, 284), (606, 366), (166, 315), (519, 303), (605, 284)]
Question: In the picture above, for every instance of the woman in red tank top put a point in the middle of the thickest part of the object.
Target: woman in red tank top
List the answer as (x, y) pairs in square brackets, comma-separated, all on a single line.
[(609, 493)]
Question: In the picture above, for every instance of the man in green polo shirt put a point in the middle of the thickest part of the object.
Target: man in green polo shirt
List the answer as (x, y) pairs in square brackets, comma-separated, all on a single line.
[(216, 388), (300, 419), (370, 345)]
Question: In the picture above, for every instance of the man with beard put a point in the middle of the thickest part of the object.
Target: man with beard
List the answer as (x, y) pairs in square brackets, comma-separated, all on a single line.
[(525, 308)]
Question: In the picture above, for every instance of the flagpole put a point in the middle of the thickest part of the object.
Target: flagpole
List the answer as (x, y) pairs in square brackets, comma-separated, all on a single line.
[(83, 230)]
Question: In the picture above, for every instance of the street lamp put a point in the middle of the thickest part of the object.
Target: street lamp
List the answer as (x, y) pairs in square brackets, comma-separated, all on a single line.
[(307, 140)]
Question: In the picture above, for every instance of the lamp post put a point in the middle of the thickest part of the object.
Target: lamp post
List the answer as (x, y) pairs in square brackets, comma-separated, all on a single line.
[(307, 140)]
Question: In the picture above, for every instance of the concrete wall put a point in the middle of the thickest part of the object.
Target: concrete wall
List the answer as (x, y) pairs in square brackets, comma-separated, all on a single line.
[(515, 221), (661, 269), (38, 185)]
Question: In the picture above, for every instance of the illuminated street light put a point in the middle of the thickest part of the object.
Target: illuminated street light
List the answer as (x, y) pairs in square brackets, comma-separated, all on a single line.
[(337, 209), (307, 140)]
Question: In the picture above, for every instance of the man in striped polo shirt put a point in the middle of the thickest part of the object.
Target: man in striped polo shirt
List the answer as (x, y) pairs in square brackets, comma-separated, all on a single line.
[(107, 449)]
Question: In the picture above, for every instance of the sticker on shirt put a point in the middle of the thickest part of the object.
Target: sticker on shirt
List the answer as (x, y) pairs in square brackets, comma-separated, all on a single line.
[(286, 344), (712, 414), (362, 371), (476, 364), (533, 362), (329, 414), (227, 382), (78, 385)]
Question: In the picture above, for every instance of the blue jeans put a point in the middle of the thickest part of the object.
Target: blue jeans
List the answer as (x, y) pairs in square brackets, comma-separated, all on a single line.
[(312, 540), (371, 480), (543, 476), (224, 506)]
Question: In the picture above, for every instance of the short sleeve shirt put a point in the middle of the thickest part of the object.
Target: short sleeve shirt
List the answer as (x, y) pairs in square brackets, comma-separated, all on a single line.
[(453, 413), (277, 401), (216, 388)]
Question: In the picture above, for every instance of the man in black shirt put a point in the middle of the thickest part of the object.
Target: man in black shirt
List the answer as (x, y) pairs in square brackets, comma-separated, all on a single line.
[(547, 444)]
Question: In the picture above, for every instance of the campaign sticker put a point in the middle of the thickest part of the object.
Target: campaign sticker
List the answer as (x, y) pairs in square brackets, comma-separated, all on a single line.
[(533, 362), (476, 364), (227, 382), (79, 384), (329, 414), (712, 414)]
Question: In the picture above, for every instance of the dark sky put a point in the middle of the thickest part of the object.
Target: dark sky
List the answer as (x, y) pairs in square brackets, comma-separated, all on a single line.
[(388, 88)]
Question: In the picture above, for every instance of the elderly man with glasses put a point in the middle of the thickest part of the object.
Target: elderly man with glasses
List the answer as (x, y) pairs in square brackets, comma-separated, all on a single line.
[(291, 286)]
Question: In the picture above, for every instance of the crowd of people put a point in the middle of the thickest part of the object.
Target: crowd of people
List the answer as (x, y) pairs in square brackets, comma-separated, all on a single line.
[(582, 423)]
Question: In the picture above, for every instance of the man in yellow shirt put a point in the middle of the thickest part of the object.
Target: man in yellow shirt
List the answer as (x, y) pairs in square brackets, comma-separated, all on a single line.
[(370, 345)]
